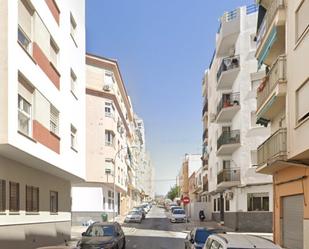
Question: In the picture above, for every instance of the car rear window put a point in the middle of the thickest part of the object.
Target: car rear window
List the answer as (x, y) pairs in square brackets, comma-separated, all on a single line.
[(179, 211)]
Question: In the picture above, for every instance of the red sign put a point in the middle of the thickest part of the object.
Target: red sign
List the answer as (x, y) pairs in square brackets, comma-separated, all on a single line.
[(186, 200)]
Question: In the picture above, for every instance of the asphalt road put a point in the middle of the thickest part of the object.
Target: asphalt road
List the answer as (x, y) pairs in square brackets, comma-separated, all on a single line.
[(155, 232)]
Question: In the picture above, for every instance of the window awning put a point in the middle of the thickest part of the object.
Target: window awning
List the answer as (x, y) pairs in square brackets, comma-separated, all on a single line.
[(267, 46)]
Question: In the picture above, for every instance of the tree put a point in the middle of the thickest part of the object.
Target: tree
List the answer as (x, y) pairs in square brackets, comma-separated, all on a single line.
[(173, 192)]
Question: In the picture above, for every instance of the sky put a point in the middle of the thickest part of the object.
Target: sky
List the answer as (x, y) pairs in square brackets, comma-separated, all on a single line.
[(163, 48)]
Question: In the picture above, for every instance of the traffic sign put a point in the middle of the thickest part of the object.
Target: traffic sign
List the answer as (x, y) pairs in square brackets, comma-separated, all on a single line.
[(186, 200)]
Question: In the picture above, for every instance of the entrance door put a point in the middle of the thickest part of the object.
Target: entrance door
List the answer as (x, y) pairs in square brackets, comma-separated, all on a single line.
[(293, 222)]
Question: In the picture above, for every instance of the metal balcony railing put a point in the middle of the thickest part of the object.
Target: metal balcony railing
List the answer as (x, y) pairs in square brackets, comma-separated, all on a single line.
[(276, 75), (205, 108), (252, 8), (268, 19), (205, 134), (228, 175), (228, 137), (228, 100), (274, 148), (227, 64)]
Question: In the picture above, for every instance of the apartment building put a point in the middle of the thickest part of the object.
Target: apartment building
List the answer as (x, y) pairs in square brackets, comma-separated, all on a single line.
[(240, 197), (282, 105), (42, 75), (109, 136)]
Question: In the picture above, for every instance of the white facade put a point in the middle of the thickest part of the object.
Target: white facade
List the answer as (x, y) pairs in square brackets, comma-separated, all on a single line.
[(38, 110), (233, 134)]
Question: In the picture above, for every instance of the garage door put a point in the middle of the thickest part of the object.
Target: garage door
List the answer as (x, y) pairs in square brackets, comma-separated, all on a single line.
[(293, 222)]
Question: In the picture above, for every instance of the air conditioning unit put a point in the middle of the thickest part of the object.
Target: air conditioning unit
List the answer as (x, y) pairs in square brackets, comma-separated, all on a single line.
[(229, 195), (108, 171), (107, 88)]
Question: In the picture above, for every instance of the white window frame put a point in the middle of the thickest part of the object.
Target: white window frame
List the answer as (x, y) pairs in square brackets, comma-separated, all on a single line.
[(109, 138), (73, 28), (109, 106), (54, 53), (73, 83), (54, 124), (22, 112)]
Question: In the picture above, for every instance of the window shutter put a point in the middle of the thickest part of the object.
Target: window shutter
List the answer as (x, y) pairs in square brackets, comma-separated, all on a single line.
[(54, 119), (42, 36), (302, 101), (24, 18), (2, 195)]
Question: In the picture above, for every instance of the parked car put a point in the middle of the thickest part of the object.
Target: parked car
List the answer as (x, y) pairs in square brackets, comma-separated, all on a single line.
[(239, 241), (140, 209), (178, 215), (198, 236), (103, 235), (175, 207), (134, 216)]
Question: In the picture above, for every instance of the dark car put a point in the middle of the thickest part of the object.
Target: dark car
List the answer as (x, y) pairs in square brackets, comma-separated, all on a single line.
[(107, 235), (198, 236)]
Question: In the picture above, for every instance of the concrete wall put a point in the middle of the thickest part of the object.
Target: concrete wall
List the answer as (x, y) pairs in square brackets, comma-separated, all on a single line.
[(195, 207)]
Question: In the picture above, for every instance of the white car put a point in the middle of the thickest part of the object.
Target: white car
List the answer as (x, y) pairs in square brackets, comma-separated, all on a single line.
[(178, 215), (239, 241), (134, 216)]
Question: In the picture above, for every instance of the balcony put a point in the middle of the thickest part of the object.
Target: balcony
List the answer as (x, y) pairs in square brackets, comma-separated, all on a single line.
[(205, 184), (272, 151), (228, 32), (227, 72), (205, 134), (227, 178), (227, 107), (271, 93), (205, 108), (205, 163), (228, 142), (271, 33)]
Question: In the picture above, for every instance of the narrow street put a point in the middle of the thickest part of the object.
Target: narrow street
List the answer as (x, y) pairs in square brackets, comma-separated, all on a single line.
[(155, 232)]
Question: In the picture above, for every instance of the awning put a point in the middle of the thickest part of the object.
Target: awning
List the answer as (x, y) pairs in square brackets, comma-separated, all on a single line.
[(267, 46)]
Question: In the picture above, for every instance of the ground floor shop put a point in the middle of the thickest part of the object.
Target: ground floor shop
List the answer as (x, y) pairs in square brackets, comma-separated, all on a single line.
[(35, 208), (246, 208), (291, 207)]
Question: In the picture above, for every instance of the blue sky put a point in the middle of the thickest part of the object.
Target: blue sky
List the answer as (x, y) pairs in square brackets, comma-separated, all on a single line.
[(163, 48)]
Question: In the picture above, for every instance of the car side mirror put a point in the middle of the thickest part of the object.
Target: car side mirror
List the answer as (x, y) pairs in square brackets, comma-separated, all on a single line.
[(192, 241), (84, 234)]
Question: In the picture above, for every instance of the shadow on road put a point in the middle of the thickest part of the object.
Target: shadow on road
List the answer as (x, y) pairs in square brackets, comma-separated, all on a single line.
[(149, 242)]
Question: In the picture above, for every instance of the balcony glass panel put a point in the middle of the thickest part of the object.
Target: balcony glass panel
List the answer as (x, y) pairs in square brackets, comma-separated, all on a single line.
[(228, 175)]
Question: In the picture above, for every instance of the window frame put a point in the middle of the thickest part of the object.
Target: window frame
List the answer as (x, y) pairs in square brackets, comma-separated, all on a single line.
[(73, 83), (22, 112), (73, 28), (30, 203), (109, 138), (53, 207), (14, 207), (54, 124), (261, 196), (2, 195), (73, 138)]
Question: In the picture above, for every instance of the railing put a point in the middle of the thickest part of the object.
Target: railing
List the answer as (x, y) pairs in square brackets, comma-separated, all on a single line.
[(205, 108), (205, 162), (268, 19), (228, 175), (205, 134), (227, 17), (252, 8), (276, 75), (227, 64), (274, 148), (228, 100), (228, 137)]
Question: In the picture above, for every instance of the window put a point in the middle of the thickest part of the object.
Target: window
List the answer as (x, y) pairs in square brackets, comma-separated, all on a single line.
[(103, 203), (109, 109), (109, 204), (73, 83), (73, 137), (53, 200), (54, 120), (32, 199), (110, 200), (219, 204), (227, 205), (226, 164), (2, 195), (302, 18), (25, 13), (302, 103), (24, 116), (54, 50), (73, 28), (253, 158), (215, 204), (108, 165), (109, 138), (14, 197), (258, 202)]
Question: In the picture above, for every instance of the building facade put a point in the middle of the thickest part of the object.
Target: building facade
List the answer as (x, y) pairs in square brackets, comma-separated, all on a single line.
[(282, 97), (42, 75), (240, 197)]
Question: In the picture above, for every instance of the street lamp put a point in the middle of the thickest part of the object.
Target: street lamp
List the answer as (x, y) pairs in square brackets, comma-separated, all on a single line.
[(114, 183)]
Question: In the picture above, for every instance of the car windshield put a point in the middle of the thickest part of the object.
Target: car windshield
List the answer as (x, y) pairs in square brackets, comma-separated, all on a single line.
[(100, 231), (179, 211), (201, 236), (133, 213)]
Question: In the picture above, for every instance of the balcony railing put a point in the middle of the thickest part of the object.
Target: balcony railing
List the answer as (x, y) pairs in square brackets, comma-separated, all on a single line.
[(252, 8), (276, 75), (228, 175), (227, 64), (205, 108), (228, 137), (274, 148), (205, 134), (268, 19), (228, 100)]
